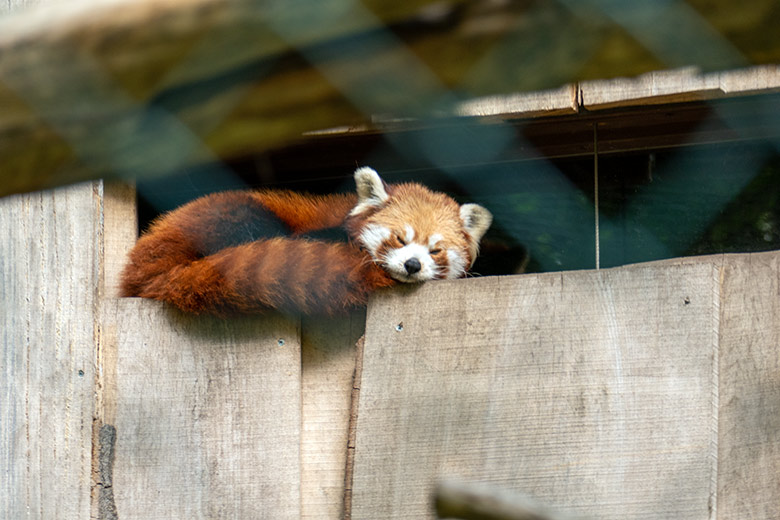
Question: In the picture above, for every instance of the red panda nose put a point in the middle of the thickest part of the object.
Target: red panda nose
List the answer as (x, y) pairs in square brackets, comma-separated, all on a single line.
[(412, 266)]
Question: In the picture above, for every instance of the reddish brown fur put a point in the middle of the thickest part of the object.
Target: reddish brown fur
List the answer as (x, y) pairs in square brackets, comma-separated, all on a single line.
[(248, 252), (430, 211), (180, 259)]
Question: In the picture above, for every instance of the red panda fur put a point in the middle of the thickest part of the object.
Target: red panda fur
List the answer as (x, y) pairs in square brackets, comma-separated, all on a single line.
[(246, 251)]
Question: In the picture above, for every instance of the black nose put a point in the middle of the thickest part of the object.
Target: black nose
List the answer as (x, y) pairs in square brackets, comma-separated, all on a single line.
[(412, 265)]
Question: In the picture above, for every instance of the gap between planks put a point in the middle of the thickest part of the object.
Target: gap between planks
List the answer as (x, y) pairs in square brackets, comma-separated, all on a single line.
[(352, 431)]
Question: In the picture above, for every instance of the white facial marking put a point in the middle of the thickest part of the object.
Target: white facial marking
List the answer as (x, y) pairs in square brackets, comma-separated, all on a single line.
[(409, 236), (372, 236), (396, 258), (457, 264), (435, 238)]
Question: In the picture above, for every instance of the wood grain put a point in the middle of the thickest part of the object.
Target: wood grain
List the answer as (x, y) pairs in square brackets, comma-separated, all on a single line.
[(590, 391), (328, 366), (644, 391), (48, 297), (676, 86), (560, 101), (208, 415), (120, 231), (749, 421)]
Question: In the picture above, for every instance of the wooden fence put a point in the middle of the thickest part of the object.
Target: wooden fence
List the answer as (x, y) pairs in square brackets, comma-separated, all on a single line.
[(648, 391)]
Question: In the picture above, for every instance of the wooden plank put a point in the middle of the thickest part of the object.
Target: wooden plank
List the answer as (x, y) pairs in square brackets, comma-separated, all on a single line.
[(753, 80), (558, 101), (328, 361), (117, 236), (120, 231), (327, 372), (591, 391), (676, 86), (749, 426), (653, 88), (48, 296), (208, 415), (749, 386)]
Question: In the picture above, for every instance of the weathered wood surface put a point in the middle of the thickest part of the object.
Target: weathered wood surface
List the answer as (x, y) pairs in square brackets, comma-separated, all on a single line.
[(120, 231), (208, 415), (143, 87), (328, 366), (675, 86), (652, 88), (591, 391), (560, 101), (749, 420), (117, 235), (48, 298), (529, 402)]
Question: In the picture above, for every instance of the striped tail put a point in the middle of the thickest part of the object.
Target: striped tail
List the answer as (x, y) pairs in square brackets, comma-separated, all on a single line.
[(286, 274)]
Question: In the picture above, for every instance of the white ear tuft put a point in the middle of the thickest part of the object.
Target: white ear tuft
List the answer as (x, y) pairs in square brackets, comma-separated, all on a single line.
[(370, 190), (476, 220)]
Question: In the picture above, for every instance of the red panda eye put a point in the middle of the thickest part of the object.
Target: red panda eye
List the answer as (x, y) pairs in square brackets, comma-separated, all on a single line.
[(435, 251), (400, 240)]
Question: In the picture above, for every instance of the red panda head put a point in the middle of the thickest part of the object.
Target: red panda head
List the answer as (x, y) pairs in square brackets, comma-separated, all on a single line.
[(415, 234)]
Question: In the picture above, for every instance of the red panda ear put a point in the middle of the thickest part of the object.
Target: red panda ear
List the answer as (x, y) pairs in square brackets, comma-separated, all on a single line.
[(476, 220), (370, 190)]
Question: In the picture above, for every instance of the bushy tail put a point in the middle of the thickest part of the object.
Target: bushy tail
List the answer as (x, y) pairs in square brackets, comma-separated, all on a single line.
[(287, 274)]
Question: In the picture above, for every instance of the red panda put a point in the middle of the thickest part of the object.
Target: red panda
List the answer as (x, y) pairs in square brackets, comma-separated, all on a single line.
[(251, 251)]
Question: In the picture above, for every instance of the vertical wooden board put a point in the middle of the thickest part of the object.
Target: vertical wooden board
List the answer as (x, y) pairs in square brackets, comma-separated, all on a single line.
[(749, 440), (207, 415), (328, 361), (120, 223), (592, 391), (119, 234), (48, 294)]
